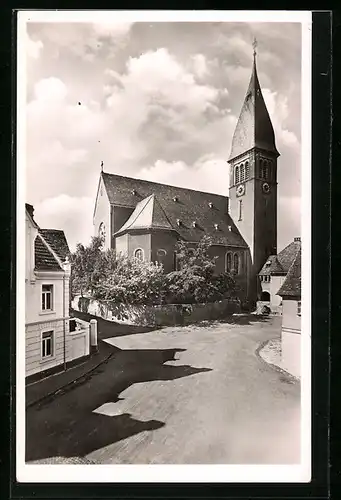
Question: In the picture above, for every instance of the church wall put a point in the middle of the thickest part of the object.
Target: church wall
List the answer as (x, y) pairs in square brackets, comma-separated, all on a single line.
[(164, 240), (143, 241), (120, 215), (121, 244), (102, 213)]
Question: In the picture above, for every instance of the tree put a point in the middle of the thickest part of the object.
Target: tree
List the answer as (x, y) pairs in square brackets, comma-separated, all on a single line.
[(89, 265), (196, 280), (132, 282)]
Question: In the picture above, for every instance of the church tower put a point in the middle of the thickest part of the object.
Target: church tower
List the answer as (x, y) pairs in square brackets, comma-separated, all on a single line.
[(253, 176)]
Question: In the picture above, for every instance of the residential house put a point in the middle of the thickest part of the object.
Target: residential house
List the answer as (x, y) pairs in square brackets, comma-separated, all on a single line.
[(49, 344), (290, 292), (273, 274)]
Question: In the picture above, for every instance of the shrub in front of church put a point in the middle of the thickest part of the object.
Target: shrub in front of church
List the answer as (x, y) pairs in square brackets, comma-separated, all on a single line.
[(132, 282), (196, 281), (89, 265)]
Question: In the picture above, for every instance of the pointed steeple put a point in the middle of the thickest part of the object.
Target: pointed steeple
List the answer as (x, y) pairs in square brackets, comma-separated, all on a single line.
[(254, 128)]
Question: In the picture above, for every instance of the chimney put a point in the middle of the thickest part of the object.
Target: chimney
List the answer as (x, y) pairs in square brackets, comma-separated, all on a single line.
[(297, 238), (30, 209)]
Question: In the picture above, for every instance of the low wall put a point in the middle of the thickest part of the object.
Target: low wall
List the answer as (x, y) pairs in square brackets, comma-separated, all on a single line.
[(165, 315), (79, 340)]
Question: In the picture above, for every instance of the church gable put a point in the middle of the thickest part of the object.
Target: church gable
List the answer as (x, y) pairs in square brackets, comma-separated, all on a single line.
[(148, 214)]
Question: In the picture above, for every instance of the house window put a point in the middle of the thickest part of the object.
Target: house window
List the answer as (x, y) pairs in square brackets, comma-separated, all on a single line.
[(228, 262), (299, 308), (236, 263), (47, 297), (139, 254), (47, 344), (240, 217), (236, 174)]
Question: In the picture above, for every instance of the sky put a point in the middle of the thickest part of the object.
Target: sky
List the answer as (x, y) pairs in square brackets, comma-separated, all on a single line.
[(156, 101)]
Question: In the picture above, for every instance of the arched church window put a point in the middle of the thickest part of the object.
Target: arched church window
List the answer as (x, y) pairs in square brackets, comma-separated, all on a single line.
[(139, 254), (228, 262), (236, 263), (236, 174), (247, 170), (242, 173)]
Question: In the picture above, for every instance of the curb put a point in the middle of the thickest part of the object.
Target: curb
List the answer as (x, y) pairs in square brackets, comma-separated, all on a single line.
[(275, 367), (64, 387)]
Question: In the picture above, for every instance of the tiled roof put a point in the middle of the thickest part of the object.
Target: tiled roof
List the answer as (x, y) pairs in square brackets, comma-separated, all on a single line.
[(44, 258), (57, 241), (185, 205), (148, 214), (272, 266), (254, 127), (287, 256), (292, 283), (280, 264)]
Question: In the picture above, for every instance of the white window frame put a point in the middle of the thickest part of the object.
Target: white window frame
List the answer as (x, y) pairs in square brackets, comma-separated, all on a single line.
[(139, 250), (299, 308), (52, 355), (43, 294)]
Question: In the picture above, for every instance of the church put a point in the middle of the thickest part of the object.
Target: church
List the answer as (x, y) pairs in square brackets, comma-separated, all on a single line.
[(145, 219)]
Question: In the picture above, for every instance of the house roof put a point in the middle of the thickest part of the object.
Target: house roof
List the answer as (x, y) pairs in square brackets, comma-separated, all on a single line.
[(178, 204), (280, 263), (292, 283), (254, 128), (57, 241), (148, 214), (272, 266), (44, 258)]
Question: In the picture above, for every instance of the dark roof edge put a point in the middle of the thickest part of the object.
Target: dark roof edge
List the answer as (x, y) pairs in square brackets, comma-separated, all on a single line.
[(163, 184)]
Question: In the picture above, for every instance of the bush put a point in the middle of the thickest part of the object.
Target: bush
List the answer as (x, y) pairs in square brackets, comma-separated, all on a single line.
[(196, 282), (132, 282), (108, 277)]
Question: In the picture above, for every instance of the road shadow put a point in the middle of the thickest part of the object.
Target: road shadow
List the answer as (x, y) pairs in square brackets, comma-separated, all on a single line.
[(67, 425), (107, 329), (97, 432)]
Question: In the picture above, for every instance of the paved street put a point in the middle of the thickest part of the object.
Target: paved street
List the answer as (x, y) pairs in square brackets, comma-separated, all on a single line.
[(198, 394)]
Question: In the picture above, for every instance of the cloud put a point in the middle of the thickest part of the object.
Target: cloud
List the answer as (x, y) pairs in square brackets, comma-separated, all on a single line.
[(278, 108), (209, 173), (200, 66), (33, 47), (62, 211)]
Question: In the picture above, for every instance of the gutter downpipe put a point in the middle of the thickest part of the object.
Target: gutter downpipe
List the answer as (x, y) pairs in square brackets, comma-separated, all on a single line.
[(64, 327)]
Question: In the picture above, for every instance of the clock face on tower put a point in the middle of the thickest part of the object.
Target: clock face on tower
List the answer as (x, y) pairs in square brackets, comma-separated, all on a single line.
[(240, 190), (266, 188)]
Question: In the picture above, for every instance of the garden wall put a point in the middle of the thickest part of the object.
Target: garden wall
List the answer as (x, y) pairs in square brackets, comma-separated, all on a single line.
[(165, 315)]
